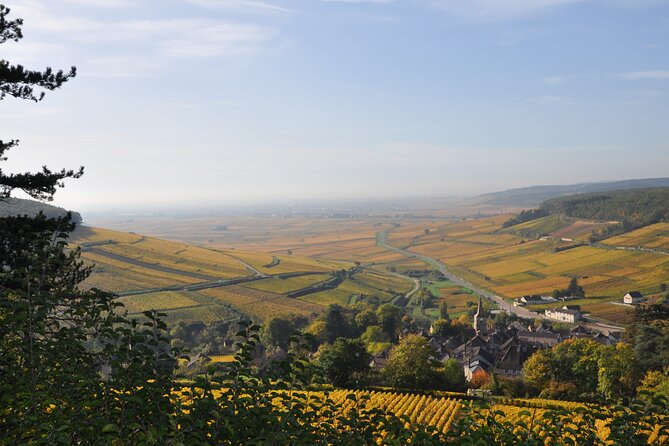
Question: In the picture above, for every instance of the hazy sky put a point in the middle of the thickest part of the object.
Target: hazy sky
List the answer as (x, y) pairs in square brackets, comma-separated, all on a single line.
[(226, 101)]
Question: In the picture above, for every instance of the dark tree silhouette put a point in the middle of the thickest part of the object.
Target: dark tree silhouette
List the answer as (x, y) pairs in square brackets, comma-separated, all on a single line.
[(17, 81)]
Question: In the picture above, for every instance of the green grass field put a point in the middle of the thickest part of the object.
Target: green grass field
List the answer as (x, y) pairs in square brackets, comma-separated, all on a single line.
[(455, 296)]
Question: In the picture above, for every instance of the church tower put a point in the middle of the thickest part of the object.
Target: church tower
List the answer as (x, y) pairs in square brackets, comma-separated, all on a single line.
[(480, 319)]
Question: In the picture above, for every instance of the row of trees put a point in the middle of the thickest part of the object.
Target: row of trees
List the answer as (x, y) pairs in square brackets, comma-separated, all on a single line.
[(581, 369)]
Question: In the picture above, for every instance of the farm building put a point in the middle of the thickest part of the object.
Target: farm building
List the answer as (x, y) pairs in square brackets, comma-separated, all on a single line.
[(532, 300), (564, 315), (633, 297)]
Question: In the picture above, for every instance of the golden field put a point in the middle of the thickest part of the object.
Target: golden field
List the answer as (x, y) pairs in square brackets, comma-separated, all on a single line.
[(261, 304), (653, 236), (129, 262), (440, 409)]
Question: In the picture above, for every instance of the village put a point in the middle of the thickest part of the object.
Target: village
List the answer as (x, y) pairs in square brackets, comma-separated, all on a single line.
[(489, 348)]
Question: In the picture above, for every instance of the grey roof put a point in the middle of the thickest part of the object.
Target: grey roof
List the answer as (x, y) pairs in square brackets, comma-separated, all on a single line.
[(533, 297), (538, 335)]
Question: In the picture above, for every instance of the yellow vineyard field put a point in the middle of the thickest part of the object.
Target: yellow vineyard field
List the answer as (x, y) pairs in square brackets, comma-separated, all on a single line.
[(440, 411), (654, 236), (283, 286), (328, 297), (420, 409), (261, 304), (286, 263), (165, 300)]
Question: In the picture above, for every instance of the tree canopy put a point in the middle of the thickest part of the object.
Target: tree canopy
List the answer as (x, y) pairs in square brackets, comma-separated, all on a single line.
[(18, 82), (411, 364), (345, 362), (390, 319)]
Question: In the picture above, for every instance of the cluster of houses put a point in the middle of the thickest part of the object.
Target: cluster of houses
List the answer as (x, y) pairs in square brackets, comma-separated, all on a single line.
[(502, 350)]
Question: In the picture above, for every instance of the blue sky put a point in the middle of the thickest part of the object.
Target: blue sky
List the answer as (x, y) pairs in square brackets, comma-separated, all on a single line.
[(217, 102)]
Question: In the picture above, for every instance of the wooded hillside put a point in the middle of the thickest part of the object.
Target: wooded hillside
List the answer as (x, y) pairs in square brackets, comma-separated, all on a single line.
[(631, 209), (638, 206), (19, 206)]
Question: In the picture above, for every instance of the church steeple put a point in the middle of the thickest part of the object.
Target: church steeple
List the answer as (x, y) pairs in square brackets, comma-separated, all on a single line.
[(480, 319)]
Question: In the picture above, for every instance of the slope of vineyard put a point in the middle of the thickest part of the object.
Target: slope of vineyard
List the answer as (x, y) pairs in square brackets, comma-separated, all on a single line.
[(436, 411), (654, 237), (151, 274), (127, 261), (158, 274), (558, 226), (268, 263), (261, 304)]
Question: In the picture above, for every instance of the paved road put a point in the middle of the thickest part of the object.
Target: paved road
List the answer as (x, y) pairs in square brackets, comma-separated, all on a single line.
[(503, 304)]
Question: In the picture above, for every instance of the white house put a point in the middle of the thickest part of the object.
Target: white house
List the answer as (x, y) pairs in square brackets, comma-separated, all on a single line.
[(564, 315), (633, 297)]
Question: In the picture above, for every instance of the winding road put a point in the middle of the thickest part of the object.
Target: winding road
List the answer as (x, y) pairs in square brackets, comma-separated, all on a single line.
[(503, 304)]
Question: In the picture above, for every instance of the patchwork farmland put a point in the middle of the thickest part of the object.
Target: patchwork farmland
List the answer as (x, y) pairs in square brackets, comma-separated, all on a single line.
[(533, 257), (510, 265), (192, 283)]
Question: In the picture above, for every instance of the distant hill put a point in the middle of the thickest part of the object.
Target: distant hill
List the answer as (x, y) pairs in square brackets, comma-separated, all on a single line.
[(19, 206), (530, 197)]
